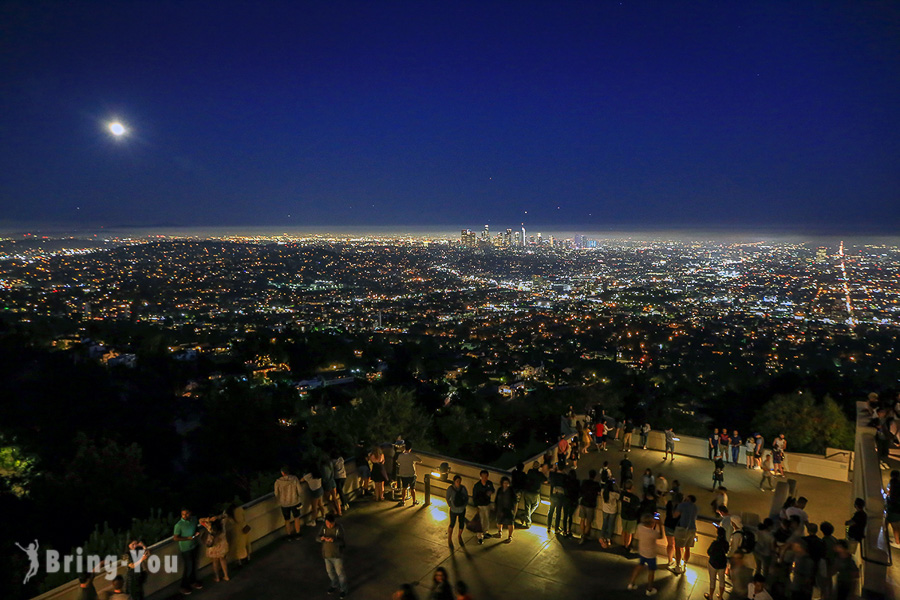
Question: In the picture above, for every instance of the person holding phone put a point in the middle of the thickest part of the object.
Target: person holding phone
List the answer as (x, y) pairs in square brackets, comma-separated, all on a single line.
[(331, 536), (186, 532), (648, 533)]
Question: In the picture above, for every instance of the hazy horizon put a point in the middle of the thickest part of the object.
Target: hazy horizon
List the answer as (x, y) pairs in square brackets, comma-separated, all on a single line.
[(649, 233)]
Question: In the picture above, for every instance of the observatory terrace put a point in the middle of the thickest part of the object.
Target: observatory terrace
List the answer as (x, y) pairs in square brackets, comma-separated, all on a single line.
[(388, 545)]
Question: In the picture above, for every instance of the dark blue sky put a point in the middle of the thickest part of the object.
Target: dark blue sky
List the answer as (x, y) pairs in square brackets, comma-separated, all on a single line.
[(594, 115)]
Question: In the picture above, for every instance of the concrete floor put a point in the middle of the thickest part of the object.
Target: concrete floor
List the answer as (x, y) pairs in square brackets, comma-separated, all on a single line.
[(388, 546)]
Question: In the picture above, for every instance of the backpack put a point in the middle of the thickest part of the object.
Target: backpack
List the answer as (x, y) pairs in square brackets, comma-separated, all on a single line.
[(748, 541)]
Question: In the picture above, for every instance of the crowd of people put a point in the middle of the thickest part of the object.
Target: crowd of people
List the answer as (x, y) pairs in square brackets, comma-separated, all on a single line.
[(885, 418), (787, 557), (225, 538)]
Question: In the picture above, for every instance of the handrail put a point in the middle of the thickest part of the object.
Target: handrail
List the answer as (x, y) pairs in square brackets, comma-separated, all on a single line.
[(839, 453), (884, 533)]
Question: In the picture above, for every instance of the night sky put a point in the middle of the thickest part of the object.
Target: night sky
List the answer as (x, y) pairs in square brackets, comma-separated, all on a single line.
[(594, 115)]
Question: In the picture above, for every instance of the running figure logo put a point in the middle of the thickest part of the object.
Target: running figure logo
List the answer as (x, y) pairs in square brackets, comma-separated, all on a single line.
[(32, 552)]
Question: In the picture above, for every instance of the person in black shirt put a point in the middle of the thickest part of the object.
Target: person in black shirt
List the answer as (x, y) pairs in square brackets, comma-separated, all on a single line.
[(630, 513), (846, 570), (573, 488), (532, 494), (587, 506), (718, 561), (519, 483), (856, 526), (815, 546), (648, 504), (626, 469), (669, 525), (892, 507), (557, 498), (718, 472)]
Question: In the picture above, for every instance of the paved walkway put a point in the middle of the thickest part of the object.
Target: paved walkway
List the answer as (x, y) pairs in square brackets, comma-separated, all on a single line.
[(388, 546)]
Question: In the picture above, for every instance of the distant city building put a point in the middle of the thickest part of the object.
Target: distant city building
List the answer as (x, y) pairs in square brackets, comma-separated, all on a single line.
[(468, 238)]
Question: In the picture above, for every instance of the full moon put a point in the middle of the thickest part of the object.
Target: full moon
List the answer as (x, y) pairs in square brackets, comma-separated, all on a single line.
[(116, 128)]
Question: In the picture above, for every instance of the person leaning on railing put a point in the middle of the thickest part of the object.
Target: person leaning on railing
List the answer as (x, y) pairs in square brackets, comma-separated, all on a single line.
[(892, 508)]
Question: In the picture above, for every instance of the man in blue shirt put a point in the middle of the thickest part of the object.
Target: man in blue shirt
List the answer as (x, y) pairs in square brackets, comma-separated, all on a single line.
[(685, 531), (185, 533)]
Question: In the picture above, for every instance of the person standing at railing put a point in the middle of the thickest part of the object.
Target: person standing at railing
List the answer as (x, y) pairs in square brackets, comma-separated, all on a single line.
[(519, 484), (216, 546), (749, 449), (538, 475), (239, 542), (645, 434), (713, 443), (557, 498), (779, 447), (627, 427), (331, 498), (736, 442), (573, 489), (587, 504), (856, 525), (379, 472), (135, 559), (288, 494), (724, 443), (313, 481), (186, 532), (340, 477), (892, 508), (406, 472)]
